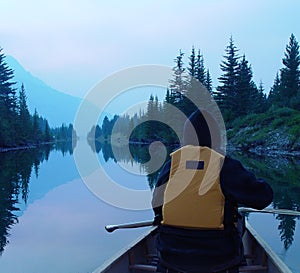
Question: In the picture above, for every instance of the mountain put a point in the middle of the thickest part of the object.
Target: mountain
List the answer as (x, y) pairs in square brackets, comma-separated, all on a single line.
[(55, 106)]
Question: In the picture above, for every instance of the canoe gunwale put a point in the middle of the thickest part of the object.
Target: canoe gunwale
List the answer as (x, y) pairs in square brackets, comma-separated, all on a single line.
[(109, 262), (272, 256), (273, 261)]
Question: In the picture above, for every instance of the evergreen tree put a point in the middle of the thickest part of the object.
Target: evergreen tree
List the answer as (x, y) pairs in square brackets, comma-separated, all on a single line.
[(106, 127), (208, 82), (168, 96), (47, 134), (200, 69), (178, 83), (149, 126), (187, 106), (8, 103), (192, 64), (246, 92), (24, 116), (275, 93), (179, 87), (196, 94), (168, 115), (226, 91), (37, 133), (8, 100), (98, 132), (71, 132), (151, 108), (290, 73), (260, 103)]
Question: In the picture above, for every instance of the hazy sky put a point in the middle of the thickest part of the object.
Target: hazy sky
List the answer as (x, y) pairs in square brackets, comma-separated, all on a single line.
[(72, 45)]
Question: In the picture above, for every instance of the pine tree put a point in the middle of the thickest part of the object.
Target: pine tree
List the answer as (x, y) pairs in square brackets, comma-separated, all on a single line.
[(226, 91), (150, 108), (196, 93), (8, 101), (290, 73), (200, 69), (262, 103), (275, 92), (178, 84), (187, 105), (8, 104), (178, 87), (36, 127), (208, 82), (47, 134), (192, 64), (151, 114), (106, 127), (246, 92), (24, 116), (168, 115), (98, 132)]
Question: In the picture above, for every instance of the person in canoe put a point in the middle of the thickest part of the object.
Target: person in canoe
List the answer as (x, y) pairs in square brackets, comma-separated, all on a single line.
[(196, 200)]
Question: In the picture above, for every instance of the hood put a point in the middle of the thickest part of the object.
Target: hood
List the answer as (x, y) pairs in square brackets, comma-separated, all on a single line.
[(201, 129)]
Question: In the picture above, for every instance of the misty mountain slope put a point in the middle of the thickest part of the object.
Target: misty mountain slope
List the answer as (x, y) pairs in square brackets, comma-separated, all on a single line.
[(55, 106)]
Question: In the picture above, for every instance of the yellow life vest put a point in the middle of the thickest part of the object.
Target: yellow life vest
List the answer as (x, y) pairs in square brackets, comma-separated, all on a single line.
[(193, 197)]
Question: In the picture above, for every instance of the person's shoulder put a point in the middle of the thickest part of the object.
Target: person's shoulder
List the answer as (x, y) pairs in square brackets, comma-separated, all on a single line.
[(231, 164)]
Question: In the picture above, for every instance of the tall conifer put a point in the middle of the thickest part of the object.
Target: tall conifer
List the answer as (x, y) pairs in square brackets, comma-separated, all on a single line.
[(25, 124), (8, 104), (178, 84), (226, 91), (208, 82), (200, 69), (246, 91), (192, 63), (290, 73), (275, 93)]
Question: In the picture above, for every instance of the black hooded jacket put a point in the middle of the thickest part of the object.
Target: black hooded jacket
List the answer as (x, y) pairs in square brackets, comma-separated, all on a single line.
[(190, 250)]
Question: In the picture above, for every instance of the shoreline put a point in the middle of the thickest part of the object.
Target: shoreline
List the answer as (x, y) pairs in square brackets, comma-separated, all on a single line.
[(10, 149), (28, 147), (264, 151)]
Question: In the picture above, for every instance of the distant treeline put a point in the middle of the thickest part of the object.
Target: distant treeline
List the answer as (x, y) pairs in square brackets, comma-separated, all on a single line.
[(17, 126), (237, 95)]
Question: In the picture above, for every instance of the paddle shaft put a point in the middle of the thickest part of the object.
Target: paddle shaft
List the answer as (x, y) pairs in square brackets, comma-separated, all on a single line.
[(111, 228), (270, 210)]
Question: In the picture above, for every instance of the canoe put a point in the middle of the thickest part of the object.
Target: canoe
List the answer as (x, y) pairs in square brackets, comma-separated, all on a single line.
[(140, 256)]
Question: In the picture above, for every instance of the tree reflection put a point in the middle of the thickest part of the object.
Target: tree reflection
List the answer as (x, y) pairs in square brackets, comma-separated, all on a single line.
[(138, 153), (282, 173), (15, 173), (8, 198)]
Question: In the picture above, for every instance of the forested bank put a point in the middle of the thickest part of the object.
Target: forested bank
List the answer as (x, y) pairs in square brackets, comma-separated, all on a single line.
[(242, 102), (18, 127)]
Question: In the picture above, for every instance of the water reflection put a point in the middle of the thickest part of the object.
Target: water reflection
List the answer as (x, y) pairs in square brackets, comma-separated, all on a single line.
[(15, 174), (19, 183), (281, 172), (61, 229), (138, 153), (283, 175)]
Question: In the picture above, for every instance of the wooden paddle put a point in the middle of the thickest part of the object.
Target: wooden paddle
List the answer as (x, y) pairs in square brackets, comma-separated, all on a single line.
[(111, 228)]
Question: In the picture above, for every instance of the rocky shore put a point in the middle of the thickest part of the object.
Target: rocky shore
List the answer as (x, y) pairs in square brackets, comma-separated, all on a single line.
[(265, 142)]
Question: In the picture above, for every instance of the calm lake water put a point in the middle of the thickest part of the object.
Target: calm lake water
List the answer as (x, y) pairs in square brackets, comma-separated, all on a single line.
[(52, 222)]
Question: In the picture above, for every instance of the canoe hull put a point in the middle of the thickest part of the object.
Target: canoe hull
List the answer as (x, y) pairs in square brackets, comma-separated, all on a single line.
[(137, 252), (137, 257)]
